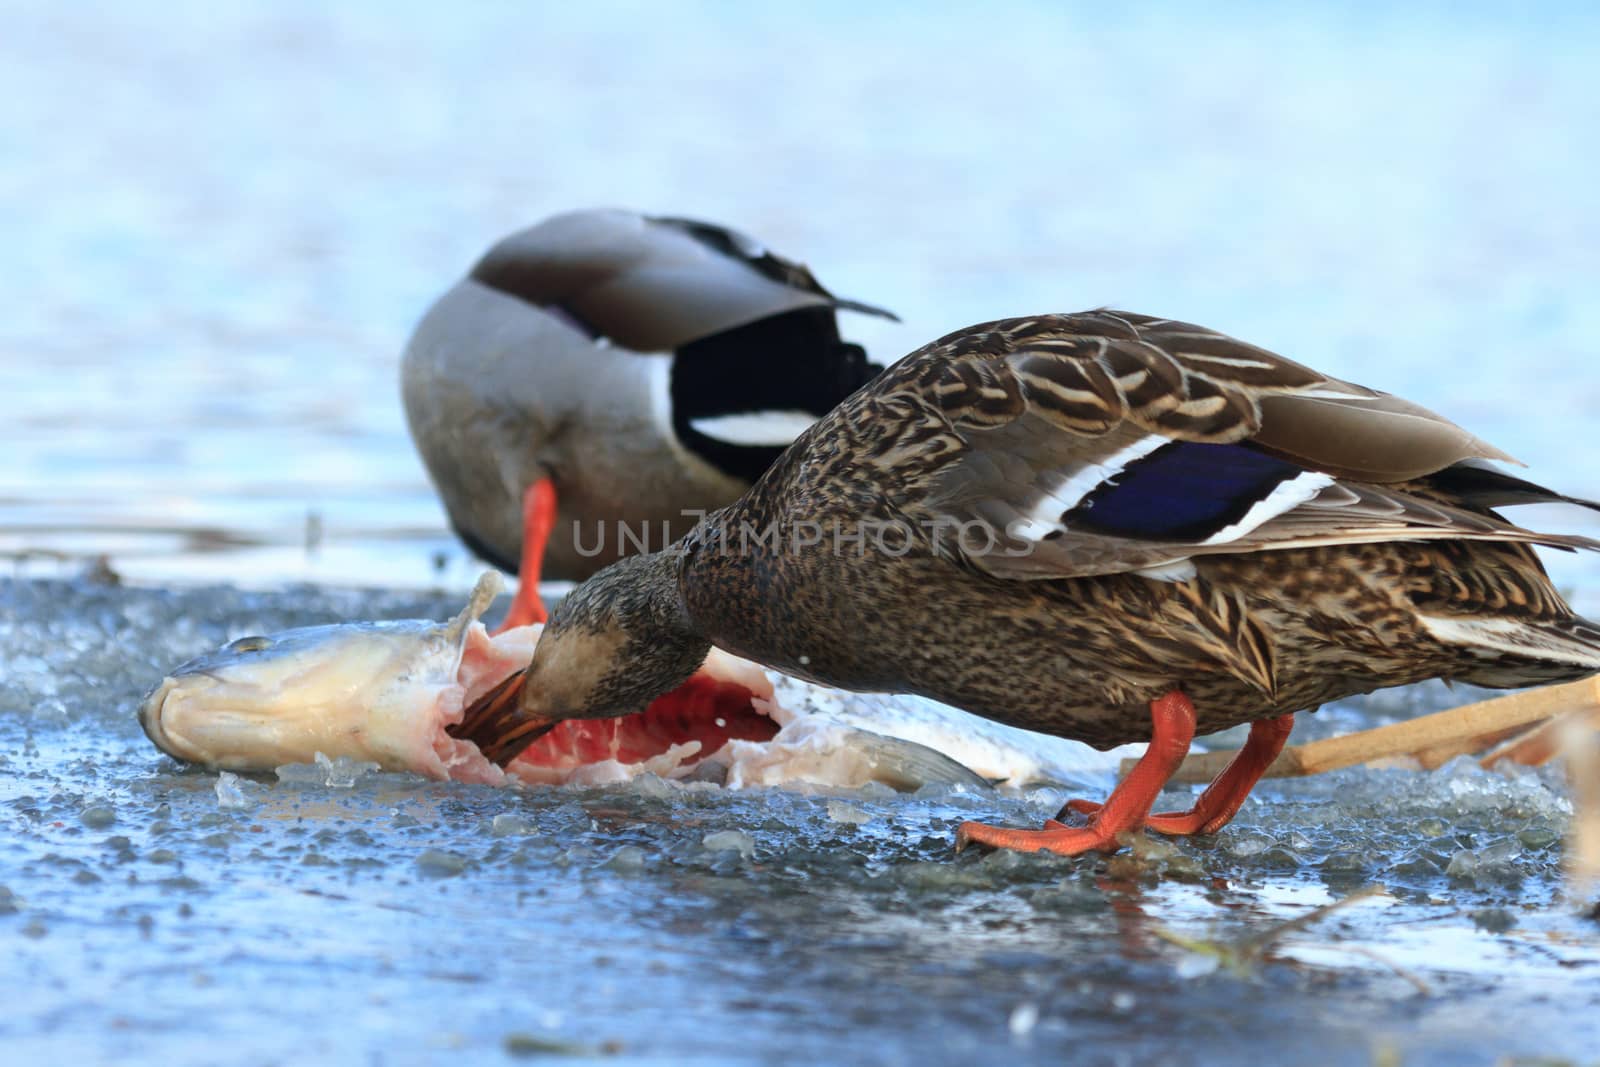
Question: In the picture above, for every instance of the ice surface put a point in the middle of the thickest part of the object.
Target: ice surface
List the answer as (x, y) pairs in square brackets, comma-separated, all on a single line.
[(439, 907)]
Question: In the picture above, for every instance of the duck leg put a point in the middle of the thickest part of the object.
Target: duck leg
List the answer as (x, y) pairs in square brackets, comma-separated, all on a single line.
[(538, 519), (1125, 810), (1226, 794)]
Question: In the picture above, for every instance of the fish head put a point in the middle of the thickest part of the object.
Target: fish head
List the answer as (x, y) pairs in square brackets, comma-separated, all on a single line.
[(375, 691), (287, 696)]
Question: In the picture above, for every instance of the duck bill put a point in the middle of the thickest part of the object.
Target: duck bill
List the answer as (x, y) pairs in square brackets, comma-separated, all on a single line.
[(498, 725)]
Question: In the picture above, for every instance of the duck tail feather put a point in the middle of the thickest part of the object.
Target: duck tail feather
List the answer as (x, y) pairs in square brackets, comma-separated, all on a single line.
[(1491, 488), (1572, 642)]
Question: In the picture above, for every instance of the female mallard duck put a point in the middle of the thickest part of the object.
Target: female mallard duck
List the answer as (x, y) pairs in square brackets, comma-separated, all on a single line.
[(619, 373), (1104, 526)]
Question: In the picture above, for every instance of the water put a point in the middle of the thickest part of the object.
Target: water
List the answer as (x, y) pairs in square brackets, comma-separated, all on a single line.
[(221, 223)]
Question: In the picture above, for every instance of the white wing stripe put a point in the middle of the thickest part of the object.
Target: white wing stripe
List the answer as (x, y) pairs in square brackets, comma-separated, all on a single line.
[(772, 429), (1285, 496), (1045, 516)]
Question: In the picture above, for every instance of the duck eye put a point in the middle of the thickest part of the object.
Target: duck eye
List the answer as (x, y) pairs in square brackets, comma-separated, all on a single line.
[(249, 644)]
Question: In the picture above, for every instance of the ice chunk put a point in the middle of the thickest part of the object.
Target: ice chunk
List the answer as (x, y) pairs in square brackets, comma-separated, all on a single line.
[(629, 859), (97, 816), (1463, 865), (509, 824), (299, 774), (230, 797), (839, 811), (1024, 1017), (344, 772), (653, 786), (50, 711), (1496, 862), (341, 772), (730, 841), (1248, 843), (1197, 965), (440, 863), (1500, 853)]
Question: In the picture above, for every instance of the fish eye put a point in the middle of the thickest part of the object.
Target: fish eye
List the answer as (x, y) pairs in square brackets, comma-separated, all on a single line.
[(248, 644)]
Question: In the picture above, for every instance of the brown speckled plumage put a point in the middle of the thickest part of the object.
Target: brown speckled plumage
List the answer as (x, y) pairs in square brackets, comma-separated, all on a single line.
[(1000, 591)]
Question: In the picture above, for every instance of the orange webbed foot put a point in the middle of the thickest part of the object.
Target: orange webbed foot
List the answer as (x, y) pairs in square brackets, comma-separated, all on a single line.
[(1126, 810), (1062, 840)]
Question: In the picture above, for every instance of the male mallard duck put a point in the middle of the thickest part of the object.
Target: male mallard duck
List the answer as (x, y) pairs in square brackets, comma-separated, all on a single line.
[(621, 373), (1104, 526)]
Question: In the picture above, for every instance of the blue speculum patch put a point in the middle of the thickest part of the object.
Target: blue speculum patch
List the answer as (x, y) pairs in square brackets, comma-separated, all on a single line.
[(1183, 491)]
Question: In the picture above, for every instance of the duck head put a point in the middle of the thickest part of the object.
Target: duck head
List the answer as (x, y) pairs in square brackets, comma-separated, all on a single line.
[(614, 644)]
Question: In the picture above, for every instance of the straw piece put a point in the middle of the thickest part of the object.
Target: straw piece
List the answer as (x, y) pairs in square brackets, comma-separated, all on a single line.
[(1541, 743), (1580, 743), (1429, 739)]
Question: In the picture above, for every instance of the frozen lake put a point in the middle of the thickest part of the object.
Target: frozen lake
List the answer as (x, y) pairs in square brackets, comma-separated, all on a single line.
[(221, 223), (149, 917)]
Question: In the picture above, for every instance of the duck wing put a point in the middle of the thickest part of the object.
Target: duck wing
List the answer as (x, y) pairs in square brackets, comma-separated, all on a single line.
[(1105, 442), (764, 261), (650, 284)]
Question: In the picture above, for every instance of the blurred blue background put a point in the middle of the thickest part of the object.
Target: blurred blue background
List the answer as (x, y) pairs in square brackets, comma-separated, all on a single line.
[(221, 221)]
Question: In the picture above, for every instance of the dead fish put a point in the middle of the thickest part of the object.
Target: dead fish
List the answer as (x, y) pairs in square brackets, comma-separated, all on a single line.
[(396, 693)]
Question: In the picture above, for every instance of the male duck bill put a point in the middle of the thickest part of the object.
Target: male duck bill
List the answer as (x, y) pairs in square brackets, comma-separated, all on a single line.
[(1113, 528), (598, 380)]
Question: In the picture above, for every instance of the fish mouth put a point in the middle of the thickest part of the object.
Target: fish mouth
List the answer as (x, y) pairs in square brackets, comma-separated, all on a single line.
[(150, 720)]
